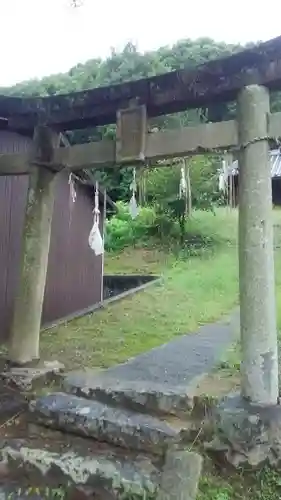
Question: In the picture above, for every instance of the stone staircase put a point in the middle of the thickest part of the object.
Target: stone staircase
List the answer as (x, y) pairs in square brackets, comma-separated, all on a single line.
[(124, 432), (135, 429)]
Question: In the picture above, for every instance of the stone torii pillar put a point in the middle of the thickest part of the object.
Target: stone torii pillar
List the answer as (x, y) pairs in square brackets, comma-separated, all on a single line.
[(248, 426), (259, 368), (26, 324)]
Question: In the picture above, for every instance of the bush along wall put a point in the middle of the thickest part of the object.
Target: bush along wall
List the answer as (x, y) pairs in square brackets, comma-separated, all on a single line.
[(158, 225)]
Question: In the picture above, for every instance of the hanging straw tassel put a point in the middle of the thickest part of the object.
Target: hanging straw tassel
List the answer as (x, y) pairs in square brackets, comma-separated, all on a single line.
[(95, 238), (183, 188), (72, 197), (72, 188), (183, 184), (133, 207)]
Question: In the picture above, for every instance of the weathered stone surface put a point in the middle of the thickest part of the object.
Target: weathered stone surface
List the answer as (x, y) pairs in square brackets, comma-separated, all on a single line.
[(11, 403), (180, 476), (28, 378), (97, 420), (144, 396), (247, 434), (67, 469)]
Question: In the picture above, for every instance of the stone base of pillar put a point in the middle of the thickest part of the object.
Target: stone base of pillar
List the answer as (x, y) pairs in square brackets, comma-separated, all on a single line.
[(246, 435), (30, 378), (30, 364)]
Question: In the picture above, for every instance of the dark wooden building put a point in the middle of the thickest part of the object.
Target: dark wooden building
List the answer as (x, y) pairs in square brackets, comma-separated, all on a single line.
[(75, 274)]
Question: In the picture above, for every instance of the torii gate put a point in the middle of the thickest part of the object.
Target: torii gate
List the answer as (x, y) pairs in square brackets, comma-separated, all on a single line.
[(246, 77)]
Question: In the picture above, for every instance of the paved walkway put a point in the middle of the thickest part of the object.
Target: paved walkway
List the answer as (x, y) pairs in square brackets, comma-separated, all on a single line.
[(179, 361)]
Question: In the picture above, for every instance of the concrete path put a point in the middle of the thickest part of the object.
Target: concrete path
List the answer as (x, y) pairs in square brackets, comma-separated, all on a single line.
[(179, 361)]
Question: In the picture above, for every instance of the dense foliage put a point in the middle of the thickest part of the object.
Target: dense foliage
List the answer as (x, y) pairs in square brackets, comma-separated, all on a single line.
[(154, 226), (128, 64)]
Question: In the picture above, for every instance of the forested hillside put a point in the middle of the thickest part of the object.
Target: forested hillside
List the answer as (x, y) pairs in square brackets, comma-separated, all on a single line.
[(126, 65)]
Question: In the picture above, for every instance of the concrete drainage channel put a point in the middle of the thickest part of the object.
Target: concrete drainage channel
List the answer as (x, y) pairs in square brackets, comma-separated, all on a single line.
[(117, 287)]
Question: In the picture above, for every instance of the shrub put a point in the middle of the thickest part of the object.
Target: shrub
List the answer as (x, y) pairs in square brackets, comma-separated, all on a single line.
[(160, 225), (122, 230)]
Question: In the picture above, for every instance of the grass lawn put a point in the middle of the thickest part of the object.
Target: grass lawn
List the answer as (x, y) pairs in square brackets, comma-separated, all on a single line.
[(218, 484), (195, 290)]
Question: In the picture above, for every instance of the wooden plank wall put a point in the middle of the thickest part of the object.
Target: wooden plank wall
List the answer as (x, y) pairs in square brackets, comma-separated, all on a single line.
[(74, 277)]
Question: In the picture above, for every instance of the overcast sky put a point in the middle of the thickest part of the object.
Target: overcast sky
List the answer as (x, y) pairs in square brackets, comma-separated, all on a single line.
[(41, 37)]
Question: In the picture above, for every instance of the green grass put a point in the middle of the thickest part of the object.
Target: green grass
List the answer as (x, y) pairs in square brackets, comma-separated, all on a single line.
[(194, 291), (218, 484)]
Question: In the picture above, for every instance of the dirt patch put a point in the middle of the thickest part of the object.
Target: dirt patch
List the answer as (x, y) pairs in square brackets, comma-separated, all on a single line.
[(218, 384)]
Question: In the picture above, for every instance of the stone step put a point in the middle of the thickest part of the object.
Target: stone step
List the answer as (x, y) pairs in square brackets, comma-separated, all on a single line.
[(43, 469), (42, 472), (97, 420), (142, 396)]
